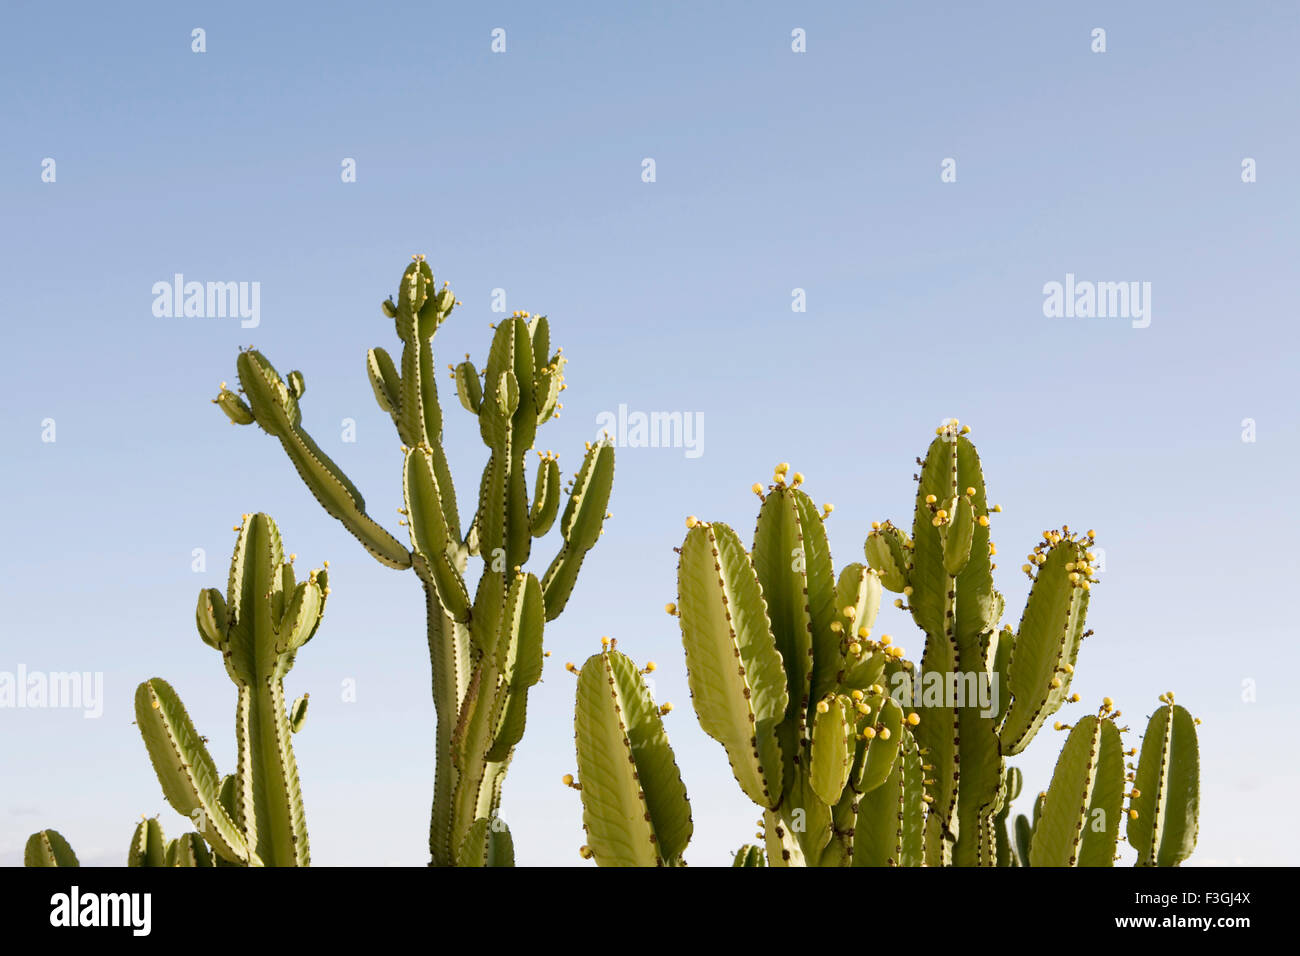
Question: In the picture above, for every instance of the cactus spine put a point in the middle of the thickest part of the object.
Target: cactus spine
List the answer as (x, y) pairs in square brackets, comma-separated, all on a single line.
[(485, 648), (816, 716)]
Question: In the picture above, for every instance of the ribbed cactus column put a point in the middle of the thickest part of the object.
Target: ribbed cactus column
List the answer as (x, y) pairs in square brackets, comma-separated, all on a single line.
[(1162, 824), (485, 645)]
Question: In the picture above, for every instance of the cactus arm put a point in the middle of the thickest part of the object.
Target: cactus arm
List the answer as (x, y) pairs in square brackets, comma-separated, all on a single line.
[(148, 845), (831, 752), (859, 589), (488, 843), (508, 425), (792, 562), (933, 607), (236, 408), (978, 609), (509, 641), (469, 388), (1167, 784), (581, 525), (879, 752), (521, 658), (657, 771), (546, 496), (1046, 642), (749, 856), (889, 829), (887, 550), (385, 381), (615, 811), (276, 411), (430, 407), (448, 642), (433, 439), (210, 616), (188, 850), (185, 769), (1106, 803), (470, 741), (737, 683), (433, 540), (1002, 645), (780, 844), (47, 848), (1004, 853), (1023, 836), (412, 297), (298, 714), (1087, 786)]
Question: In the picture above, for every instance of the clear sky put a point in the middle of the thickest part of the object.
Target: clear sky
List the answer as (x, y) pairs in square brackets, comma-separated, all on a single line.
[(523, 170)]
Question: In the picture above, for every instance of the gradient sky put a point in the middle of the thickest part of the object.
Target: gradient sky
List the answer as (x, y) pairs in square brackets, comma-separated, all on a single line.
[(522, 171)]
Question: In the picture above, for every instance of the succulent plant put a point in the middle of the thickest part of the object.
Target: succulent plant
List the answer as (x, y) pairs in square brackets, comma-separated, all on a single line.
[(485, 648), (149, 848), (854, 754), (253, 816)]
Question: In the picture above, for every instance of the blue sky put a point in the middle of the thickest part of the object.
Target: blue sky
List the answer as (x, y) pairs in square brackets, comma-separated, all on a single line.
[(522, 171)]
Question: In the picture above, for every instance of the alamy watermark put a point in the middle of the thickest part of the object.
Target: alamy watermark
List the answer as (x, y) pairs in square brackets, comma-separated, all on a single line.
[(208, 300), (74, 908), (41, 690), (955, 689), (627, 429), (1100, 300)]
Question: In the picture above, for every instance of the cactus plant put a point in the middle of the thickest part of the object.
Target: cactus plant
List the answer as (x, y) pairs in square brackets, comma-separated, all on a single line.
[(855, 755), (486, 649), (148, 848), (47, 848), (783, 673), (254, 816)]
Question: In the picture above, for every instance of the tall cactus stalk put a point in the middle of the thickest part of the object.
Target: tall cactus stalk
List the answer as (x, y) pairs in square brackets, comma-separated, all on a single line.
[(855, 756), (485, 649)]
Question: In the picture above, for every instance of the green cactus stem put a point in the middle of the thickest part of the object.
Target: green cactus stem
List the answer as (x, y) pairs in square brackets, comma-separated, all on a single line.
[(1164, 803), (1079, 825), (48, 848), (635, 809)]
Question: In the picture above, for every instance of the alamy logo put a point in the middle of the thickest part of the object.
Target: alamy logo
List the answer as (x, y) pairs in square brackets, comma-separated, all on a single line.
[(208, 300), (653, 430), (102, 909), (37, 690), (956, 689), (1101, 300)]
